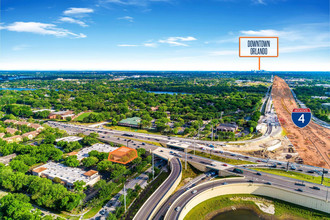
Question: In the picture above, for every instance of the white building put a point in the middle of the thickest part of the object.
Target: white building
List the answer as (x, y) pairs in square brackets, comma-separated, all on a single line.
[(68, 175)]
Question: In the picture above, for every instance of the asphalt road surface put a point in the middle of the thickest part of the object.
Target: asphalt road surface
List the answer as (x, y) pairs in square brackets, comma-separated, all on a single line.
[(150, 205)]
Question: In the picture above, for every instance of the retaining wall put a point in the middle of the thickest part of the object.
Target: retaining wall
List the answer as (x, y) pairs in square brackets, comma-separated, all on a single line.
[(257, 189)]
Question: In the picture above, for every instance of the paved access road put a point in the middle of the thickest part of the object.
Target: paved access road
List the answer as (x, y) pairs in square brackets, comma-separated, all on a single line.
[(150, 205)]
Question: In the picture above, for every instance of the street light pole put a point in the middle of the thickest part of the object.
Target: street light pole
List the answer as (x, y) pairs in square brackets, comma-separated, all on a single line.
[(125, 195), (326, 199), (186, 158), (153, 167)]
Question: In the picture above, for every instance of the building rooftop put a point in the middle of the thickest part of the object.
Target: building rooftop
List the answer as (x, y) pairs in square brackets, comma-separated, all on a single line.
[(123, 155), (131, 121), (105, 148), (66, 174), (69, 139)]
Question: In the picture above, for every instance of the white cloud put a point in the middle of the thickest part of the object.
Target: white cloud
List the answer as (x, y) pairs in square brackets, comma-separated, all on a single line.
[(133, 2), (293, 49), (261, 2), (177, 41), (268, 32), (20, 47), (41, 28), (78, 11), (127, 45), (73, 21), (224, 53), (150, 45), (127, 18)]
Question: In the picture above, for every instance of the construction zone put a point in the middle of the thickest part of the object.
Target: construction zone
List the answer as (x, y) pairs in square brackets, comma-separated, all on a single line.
[(312, 143)]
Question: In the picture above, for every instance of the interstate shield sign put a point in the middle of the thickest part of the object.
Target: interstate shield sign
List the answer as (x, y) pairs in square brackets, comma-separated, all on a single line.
[(301, 117)]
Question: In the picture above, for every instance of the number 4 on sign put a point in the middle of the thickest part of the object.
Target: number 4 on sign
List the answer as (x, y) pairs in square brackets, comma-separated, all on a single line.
[(302, 119)]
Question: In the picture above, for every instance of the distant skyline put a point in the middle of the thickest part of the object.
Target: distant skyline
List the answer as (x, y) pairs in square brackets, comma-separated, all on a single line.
[(161, 34)]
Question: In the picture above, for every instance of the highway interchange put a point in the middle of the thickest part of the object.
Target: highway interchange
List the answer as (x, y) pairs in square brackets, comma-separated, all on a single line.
[(173, 155)]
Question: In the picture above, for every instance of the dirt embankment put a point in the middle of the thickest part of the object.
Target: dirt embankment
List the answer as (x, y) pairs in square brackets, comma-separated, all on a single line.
[(311, 142)]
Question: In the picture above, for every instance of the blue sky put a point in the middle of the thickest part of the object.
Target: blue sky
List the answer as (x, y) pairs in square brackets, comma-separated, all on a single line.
[(161, 34)]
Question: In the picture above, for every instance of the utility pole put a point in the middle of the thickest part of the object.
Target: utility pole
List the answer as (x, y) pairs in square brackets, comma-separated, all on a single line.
[(153, 167), (125, 194), (212, 129), (186, 159), (287, 166)]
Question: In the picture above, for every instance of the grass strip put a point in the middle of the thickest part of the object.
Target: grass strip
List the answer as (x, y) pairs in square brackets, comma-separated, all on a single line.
[(283, 210), (223, 159), (296, 175)]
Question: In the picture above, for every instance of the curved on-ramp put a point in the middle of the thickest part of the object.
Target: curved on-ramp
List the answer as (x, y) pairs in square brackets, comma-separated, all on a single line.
[(155, 201), (209, 190)]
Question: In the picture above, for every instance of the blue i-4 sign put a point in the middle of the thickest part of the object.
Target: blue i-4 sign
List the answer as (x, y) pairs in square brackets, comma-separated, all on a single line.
[(301, 117)]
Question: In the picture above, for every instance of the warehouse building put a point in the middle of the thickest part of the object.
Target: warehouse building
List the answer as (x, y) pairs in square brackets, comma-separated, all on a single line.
[(68, 175)]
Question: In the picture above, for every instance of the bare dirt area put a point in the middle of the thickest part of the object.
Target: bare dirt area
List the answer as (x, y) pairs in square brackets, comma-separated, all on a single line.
[(312, 142)]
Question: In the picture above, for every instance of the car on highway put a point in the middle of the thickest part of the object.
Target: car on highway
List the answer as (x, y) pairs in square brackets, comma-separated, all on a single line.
[(299, 190), (250, 181), (299, 184), (236, 170), (224, 165), (143, 144), (194, 191), (259, 174), (224, 183), (190, 157), (178, 208), (268, 183), (316, 188), (310, 171)]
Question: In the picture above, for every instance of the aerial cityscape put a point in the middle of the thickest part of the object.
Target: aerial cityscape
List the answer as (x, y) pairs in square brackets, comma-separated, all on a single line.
[(165, 110)]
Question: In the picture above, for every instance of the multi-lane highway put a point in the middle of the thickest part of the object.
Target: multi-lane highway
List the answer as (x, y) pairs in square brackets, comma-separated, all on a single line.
[(250, 175), (150, 205), (119, 137), (173, 211)]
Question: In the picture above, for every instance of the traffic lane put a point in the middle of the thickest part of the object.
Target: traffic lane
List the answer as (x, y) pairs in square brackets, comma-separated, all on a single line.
[(182, 201), (161, 213), (152, 202), (226, 154), (287, 183)]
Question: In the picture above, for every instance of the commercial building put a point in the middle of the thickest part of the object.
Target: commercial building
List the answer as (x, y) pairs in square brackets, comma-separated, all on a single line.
[(227, 127), (105, 148), (69, 139), (131, 122), (68, 175), (122, 155), (61, 115)]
